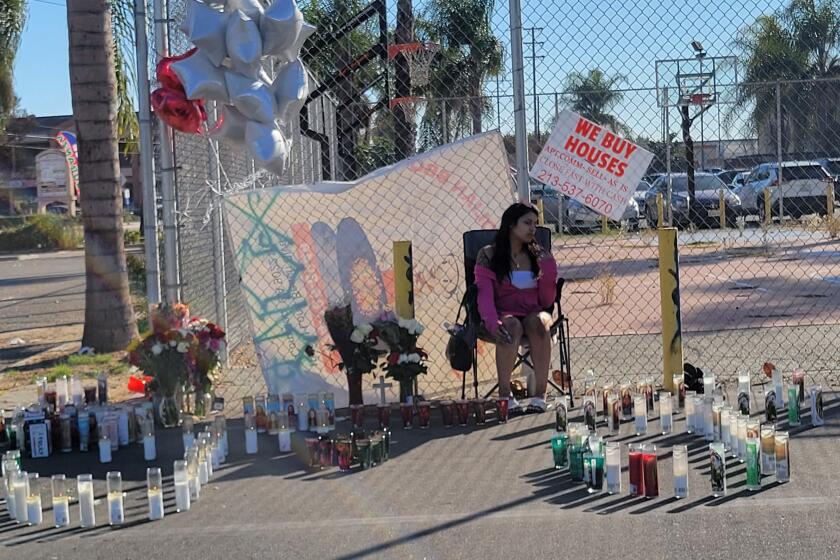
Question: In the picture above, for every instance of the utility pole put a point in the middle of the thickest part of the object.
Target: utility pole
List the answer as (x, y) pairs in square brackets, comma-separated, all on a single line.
[(518, 72), (533, 43)]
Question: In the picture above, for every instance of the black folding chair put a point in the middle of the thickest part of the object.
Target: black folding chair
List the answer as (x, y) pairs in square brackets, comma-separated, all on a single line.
[(474, 241)]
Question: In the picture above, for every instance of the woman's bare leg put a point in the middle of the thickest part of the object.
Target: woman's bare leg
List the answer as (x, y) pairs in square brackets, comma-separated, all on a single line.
[(506, 355), (538, 328)]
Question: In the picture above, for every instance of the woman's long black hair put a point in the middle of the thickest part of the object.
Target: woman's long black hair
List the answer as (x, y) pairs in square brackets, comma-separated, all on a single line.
[(501, 261)]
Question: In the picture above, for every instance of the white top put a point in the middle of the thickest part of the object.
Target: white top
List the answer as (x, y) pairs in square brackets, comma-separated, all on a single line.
[(523, 279)]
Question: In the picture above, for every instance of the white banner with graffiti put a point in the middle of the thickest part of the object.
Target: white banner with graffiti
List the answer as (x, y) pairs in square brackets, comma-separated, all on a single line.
[(304, 249)]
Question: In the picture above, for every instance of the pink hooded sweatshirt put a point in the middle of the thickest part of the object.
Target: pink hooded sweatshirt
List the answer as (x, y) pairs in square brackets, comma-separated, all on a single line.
[(497, 300)]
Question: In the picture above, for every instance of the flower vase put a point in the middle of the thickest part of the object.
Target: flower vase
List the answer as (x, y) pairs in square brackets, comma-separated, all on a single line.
[(203, 404), (407, 390), (169, 411)]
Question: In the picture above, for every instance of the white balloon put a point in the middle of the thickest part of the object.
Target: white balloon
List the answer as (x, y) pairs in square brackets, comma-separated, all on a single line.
[(252, 97), (280, 26), (206, 28), (201, 78), (230, 126), (293, 52), (268, 146), (251, 8), (291, 86), (243, 40)]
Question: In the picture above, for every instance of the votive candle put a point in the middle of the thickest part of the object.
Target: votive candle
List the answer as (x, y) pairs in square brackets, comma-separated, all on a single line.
[(614, 417), (60, 501), (612, 460), (192, 474), (708, 384), (87, 515), (21, 491), (817, 406), (793, 406), (34, 513), (181, 479), (742, 437), (62, 392), (104, 447), (188, 435), (753, 467), (154, 491), (733, 431), (782, 457), (666, 413), (708, 419), (640, 408), (149, 444), (689, 411), (559, 449), (637, 483), (116, 510), (680, 462), (717, 426), (717, 459), (768, 449), (651, 470), (725, 432), (251, 434), (678, 382)]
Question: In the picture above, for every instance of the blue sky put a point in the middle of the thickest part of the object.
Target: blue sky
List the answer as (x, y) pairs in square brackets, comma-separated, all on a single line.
[(621, 37)]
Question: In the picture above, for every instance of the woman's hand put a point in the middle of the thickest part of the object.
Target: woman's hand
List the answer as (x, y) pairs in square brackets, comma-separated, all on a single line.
[(502, 335)]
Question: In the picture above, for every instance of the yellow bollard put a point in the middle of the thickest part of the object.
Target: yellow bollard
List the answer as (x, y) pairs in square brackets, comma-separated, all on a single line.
[(722, 203), (540, 211), (605, 225), (660, 211), (403, 279), (669, 293), (768, 208)]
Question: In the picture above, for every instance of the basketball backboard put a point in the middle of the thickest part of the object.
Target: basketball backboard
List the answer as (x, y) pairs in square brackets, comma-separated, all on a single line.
[(701, 81)]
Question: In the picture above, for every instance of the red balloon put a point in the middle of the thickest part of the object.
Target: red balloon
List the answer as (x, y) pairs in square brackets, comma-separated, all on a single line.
[(165, 76), (173, 108)]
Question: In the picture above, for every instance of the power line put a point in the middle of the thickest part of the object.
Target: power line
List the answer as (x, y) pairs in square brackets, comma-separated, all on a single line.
[(50, 3)]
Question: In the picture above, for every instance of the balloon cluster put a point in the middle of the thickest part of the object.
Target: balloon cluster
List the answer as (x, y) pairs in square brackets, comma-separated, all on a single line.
[(232, 39)]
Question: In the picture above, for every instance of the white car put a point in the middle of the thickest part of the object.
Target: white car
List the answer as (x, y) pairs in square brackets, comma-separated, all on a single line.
[(580, 217), (802, 192)]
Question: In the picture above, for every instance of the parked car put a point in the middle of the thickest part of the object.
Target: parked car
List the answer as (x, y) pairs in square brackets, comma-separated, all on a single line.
[(739, 180), (57, 208), (803, 189), (728, 176), (582, 218), (707, 188), (832, 165), (639, 196)]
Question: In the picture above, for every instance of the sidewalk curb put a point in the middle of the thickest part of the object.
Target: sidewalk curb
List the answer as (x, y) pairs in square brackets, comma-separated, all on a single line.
[(35, 256)]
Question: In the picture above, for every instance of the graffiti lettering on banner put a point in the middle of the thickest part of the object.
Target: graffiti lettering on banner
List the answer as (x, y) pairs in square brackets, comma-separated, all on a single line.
[(591, 164)]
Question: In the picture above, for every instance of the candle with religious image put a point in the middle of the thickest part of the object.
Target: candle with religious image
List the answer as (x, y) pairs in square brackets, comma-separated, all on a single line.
[(768, 449), (793, 406), (817, 418), (699, 415), (313, 450), (328, 402), (322, 420), (717, 409), (753, 467), (84, 489), (250, 434), (261, 415), (188, 435), (626, 402), (273, 411), (589, 414), (606, 390), (593, 472), (561, 413), (62, 392), (798, 378), (34, 512), (612, 460), (284, 435), (302, 410), (288, 404), (717, 473), (770, 404), (357, 418), (641, 414), (782, 457), (636, 470), (614, 419), (666, 416), (181, 480), (324, 450), (647, 389), (680, 467), (743, 398), (154, 493), (678, 391), (60, 501), (576, 451), (116, 509), (778, 386)]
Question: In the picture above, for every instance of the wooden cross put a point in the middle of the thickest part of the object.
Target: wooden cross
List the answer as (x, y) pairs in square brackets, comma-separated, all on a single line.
[(381, 386)]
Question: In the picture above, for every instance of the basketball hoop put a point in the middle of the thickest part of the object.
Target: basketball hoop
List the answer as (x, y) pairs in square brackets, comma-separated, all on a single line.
[(700, 99), (419, 57), (409, 105)]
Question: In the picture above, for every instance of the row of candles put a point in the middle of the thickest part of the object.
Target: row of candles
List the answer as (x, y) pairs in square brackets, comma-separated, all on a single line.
[(452, 411), (203, 454)]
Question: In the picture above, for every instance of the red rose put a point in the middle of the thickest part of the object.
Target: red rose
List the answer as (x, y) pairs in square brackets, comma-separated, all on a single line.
[(393, 358)]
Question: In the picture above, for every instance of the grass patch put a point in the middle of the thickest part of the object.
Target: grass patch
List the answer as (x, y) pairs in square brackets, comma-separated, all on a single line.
[(42, 232), (131, 237), (96, 359), (57, 371)]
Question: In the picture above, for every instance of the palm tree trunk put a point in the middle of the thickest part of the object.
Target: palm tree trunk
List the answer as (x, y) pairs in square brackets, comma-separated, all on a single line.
[(109, 318)]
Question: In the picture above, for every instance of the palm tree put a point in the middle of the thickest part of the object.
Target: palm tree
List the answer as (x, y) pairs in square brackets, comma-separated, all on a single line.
[(470, 53), (797, 47), (594, 95), (101, 75), (109, 318)]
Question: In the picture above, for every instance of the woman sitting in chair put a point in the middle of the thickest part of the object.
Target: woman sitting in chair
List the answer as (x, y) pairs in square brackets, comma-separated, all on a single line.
[(516, 281)]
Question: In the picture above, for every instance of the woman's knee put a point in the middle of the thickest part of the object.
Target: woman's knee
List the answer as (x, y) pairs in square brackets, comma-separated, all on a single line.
[(513, 326), (537, 325)]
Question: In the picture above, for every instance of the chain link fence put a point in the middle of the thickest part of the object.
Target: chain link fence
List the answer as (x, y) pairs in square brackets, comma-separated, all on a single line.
[(757, 81)]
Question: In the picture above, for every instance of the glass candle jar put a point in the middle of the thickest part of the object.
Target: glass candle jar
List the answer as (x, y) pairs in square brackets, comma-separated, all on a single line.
[(313, 449), (424, 414), (614, 417), (753, 467), (640, 408), (612, 460), (817, 418), (689, 411), (250, 434), (680, 461), (650, 470), (345, 453), (84, 488), (447, 411), (678, 391), (708, 418), (666, 413), (606, 390), (576, 451), (357, 416), (66, 433), (407, 414), (60, 501), (793, 406), (34, 512), (744, 398), (188, 431), (181, 479), (149, 444), (116, 510), (479, 410), (725, 430), (594, 472), (364, 450), (768, 449), (782, 457), (559, 449), (104, 447), (636, 472), (717, 476), (383, 414), (561, 413), (742, 436), (154, 492), (462, 409), (192, 473)]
